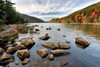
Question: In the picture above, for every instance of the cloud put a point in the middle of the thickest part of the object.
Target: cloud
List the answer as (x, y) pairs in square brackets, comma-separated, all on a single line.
[(50, 8)]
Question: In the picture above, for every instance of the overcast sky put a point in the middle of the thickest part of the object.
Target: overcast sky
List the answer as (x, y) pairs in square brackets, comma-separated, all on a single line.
[(48, 9)]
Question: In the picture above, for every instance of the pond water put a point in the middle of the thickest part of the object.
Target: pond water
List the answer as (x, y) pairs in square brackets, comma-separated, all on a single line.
[(79, 57)]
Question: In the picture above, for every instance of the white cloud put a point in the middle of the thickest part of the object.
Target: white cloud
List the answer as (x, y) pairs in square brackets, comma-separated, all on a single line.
[(84, 5), (50, 6), (43, 16), (27, 6)]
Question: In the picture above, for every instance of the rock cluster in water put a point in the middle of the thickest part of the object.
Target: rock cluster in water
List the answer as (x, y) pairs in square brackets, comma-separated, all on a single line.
[(7, 43), (22, 49)]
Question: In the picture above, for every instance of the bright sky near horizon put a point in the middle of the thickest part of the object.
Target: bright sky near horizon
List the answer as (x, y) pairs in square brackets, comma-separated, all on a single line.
[(48, 9)]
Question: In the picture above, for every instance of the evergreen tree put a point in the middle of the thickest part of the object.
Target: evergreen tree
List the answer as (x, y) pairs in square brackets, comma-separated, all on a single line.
[(8, 14)]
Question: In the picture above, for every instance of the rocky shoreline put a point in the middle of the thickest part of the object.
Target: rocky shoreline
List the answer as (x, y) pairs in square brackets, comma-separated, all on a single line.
[(9, 46)]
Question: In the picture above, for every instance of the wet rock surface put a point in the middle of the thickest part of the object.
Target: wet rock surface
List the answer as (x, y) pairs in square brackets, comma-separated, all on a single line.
[(63, 46), (68, 41), (37, 30), (82, 41), (22, 54), (48, 28), (6, 58), (51, 57), (8, 45), (16, 62), (63, 63), (58, 29), (55, 45), (27, 42), (1, 50), (19, 47), (25, 61), (11, 50), (8, 35), (45, 37), (42, 52), (49, 45), (59, 52)]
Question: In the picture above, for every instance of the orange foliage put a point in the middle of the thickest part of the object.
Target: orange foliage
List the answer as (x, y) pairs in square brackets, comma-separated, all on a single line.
[(62, 21), (79, 17), (94, 14), (76, 17)]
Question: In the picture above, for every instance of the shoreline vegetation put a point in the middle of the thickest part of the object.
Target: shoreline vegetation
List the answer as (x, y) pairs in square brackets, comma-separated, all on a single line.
[(9, 15)]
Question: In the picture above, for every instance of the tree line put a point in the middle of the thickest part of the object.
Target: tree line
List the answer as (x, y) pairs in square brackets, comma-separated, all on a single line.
[(8, 14)]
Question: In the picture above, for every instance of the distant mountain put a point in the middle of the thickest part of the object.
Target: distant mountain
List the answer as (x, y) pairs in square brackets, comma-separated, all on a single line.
[(31, 18), (90, 14)]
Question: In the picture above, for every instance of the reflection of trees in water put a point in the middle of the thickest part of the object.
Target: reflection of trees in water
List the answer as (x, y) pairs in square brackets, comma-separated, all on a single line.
[(92, 30)]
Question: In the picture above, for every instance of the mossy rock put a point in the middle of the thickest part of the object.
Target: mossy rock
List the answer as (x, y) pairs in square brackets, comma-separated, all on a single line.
[(8, 35)]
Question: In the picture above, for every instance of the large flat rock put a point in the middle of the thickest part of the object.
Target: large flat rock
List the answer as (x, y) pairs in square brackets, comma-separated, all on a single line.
[(55, 45)]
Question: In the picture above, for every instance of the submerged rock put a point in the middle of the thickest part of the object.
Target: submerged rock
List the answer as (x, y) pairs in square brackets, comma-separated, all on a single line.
[(1, 50), (6, 58), (58, 29), (81, 41), (49, 45), (27, 42), (67, 41), (64, 35), (59, 52), (63, 46), (25, 61), (16, 62), (42, 52), (51, 57), (48, 28), (46, 37), (41, 26), (11, 50), (19, 47), (37, 30), (63, 63), (36, 25), (55, 45), (22, 54)]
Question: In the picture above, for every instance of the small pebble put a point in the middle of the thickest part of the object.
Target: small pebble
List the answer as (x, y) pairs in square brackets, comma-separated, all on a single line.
[(51, 57), (67, 41), (16, 62)]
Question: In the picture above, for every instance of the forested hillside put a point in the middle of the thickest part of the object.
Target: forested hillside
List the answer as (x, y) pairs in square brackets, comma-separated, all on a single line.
[(8, 14), (90, 14), (31, 18)]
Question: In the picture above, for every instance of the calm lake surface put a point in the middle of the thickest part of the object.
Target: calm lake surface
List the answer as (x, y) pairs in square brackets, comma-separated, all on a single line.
[(79, 57)]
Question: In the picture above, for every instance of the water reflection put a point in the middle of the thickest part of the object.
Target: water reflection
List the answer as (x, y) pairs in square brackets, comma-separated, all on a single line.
[(89, 57), (80, 46), (92, 30)]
